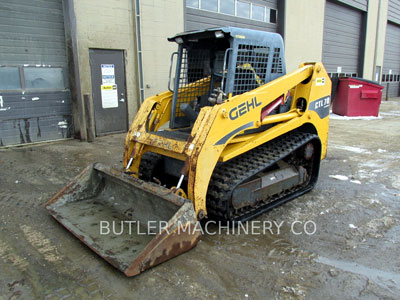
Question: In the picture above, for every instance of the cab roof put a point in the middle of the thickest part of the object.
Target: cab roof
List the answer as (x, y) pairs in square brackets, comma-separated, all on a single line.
[(232, 32)]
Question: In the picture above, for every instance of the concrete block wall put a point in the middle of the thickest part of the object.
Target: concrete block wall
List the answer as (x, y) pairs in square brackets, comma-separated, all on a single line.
[(379, 13), (304, 28), (160, 19)]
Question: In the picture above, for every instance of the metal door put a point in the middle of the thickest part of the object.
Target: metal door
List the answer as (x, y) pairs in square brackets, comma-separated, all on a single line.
[(108, 90)]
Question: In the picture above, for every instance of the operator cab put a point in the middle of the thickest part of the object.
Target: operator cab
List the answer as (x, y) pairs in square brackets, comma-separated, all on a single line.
[(215, 64)]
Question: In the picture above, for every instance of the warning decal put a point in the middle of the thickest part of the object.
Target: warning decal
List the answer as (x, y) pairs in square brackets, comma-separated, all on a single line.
[(109, 96), (320, 81)]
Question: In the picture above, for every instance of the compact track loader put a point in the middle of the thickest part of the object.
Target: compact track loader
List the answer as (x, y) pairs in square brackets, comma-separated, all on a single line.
[(232, 138)]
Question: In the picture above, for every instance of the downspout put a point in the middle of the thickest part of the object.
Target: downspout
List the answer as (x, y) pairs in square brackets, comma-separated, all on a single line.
[(376, 41), (136, 5)]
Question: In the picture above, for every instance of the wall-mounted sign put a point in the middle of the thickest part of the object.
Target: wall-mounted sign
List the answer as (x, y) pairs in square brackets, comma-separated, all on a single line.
[(109, 95), (107, 74)]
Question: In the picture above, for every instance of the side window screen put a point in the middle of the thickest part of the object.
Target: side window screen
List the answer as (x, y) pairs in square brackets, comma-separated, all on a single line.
[(44, 78), (251, 68), (9, 78), (194, 77), (277, 61)]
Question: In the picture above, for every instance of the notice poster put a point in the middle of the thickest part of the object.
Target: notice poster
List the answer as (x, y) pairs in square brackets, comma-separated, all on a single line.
[(107, 74), (109, 95)]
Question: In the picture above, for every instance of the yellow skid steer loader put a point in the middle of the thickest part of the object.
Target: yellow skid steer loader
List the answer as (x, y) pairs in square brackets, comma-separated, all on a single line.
[(233, 137)]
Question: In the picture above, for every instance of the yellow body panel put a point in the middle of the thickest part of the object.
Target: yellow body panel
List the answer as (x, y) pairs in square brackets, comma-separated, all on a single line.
[(217, 134)]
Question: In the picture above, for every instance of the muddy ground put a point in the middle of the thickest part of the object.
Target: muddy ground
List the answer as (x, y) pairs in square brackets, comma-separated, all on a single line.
[(354, 253)]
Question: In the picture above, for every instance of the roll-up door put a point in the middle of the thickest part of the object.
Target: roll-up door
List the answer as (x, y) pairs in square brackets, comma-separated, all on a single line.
[(343, 39), (391, 61), (35, 102)]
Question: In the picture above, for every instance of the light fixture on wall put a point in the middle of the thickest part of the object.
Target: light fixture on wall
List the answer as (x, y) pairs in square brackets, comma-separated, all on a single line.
[(219, 34)]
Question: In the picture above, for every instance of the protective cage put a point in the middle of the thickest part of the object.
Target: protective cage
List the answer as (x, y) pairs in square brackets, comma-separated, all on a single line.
[(238, 61), (254, 67), (194, 77), (251, 68)]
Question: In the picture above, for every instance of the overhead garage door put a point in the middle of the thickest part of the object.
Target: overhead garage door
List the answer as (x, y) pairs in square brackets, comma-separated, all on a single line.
[(394, 11), (391, 62), (35, 102), (256, 14), (343, 39)]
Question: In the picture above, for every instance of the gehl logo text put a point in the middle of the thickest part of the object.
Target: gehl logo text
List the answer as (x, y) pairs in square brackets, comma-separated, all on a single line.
[(243, 108)]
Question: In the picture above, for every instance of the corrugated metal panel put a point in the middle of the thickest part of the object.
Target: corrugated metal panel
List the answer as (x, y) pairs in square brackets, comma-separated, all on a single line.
[(32, 33), (342, 38), (359, 4), (33, 117), (196, 19), (391, 62), (394, 11)]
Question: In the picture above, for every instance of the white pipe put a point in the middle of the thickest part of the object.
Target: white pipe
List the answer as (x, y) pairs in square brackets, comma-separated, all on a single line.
[(129, 163), (180, 181)]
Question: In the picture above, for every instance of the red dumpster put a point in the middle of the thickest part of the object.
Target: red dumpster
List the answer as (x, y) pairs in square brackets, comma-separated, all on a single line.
[(357, 97)]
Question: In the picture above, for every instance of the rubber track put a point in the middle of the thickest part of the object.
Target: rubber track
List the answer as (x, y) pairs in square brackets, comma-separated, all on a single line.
[(227, 176)]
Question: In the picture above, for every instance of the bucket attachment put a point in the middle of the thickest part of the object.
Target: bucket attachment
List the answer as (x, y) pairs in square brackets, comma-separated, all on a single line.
[(132, 224)]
